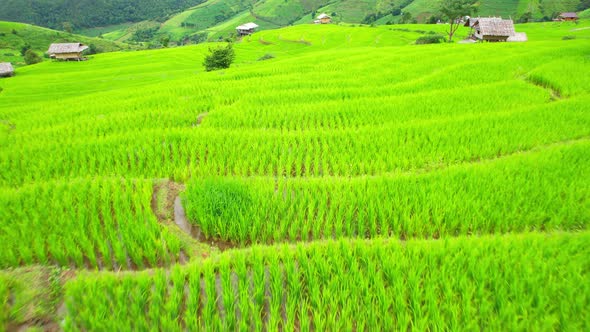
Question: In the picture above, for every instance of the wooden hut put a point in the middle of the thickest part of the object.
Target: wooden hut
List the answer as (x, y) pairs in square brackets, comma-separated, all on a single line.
[(571, 16), (491, 29), (6, 69), (246, 29), (323, 18), (68, 51)]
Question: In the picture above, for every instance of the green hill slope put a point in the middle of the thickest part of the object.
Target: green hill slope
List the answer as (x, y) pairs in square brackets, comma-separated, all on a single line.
[(14, 36), (218, 18)]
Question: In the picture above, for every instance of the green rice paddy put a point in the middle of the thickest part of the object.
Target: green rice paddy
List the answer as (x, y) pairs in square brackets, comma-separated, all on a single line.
[(359, 181)]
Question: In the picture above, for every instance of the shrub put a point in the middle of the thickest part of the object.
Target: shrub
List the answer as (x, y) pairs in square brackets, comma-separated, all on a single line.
[(32, 58), (431, 39), (219, 58), (92, 49), (267, 56)]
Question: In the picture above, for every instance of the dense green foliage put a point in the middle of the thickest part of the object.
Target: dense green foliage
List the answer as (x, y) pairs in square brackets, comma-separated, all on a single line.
[(517, 282), (31, 57), (88, 13), (219, 58), (453, 11)]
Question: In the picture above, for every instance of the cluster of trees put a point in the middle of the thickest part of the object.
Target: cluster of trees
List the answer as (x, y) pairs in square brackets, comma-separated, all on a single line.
[(406, 17), (583, 5), (144, 35), (89, 13)]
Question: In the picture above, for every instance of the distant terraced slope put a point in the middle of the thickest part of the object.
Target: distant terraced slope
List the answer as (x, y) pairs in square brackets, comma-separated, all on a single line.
[(219, 18), (14, 36)]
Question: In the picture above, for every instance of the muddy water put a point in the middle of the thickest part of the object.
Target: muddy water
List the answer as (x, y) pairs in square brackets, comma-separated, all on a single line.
[(181, 220)]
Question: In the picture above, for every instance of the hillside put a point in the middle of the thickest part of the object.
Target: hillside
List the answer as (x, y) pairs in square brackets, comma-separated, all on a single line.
[(218, 18), (14, 36), (89, 13), (355, 181)]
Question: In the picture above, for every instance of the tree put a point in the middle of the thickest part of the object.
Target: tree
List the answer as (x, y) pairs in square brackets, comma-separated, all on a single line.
[(407, 18), (165, 40), (454, 10), (32, 58), (219, 58), (68, 27), (92, 49), (584, 4), (24, 49), (526, 17)]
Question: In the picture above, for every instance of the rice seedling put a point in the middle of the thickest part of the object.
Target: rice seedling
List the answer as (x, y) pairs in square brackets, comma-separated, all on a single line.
[(516, 193), (95, 223), (486, 281)]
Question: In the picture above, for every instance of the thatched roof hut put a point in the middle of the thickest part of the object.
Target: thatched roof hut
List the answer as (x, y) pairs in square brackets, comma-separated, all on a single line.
[(6, 69), (323, 18), (67, 51), (570, 16), (492, 28), (247, 29)]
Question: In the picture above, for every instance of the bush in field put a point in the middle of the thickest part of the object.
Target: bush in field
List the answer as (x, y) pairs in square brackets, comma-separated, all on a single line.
[(219, 58), (32, 58), (431, 39), (216, 198), (267, 56)]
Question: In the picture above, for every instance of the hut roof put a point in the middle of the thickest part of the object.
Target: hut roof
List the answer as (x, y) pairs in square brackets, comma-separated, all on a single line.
[(470, 21), (6, 68), (495, 26), (569, 15), (323, 15), (67, 48), (247, 26)]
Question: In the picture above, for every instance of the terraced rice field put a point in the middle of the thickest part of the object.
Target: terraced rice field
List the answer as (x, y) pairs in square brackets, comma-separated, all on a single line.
[(361, 185)]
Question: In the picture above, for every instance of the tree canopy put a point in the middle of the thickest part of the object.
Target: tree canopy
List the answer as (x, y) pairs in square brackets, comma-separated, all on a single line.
[(219, 58), (454, 10), (89, 13)]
